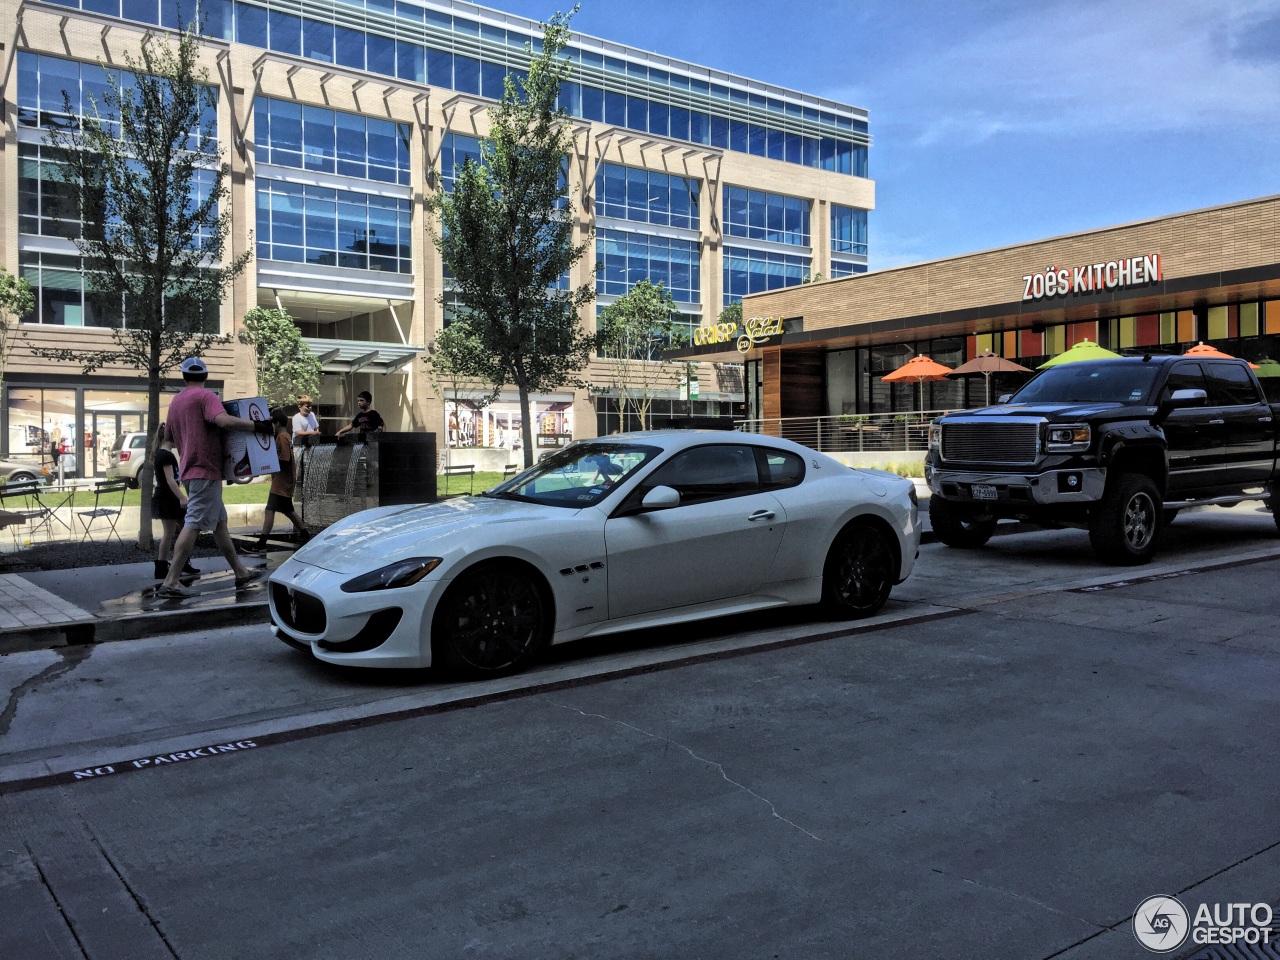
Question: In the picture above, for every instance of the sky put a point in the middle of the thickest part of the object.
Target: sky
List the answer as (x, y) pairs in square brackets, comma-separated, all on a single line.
[(1000, 122)]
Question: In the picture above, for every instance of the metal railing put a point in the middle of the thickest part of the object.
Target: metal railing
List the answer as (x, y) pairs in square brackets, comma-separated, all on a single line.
[(852, 433)]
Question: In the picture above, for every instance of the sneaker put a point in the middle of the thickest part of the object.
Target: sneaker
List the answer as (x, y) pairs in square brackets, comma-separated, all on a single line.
[(252, 577), (174, 593), (162, 569), (253, 551), (189, 571)]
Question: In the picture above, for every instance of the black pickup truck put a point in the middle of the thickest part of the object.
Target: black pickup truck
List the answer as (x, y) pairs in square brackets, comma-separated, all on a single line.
[(1117, 446)]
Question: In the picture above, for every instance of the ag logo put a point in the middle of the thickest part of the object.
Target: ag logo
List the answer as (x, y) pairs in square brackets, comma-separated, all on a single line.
[(1161, 924)]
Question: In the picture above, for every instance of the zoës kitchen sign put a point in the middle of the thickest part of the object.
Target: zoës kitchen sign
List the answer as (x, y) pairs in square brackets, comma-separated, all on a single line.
[(1093, 277)]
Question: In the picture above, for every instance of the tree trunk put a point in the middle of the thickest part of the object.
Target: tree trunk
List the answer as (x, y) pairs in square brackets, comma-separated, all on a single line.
[(145, 486)]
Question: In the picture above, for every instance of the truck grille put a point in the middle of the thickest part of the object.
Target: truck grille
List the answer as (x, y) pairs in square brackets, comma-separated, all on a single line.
[(990, 442)]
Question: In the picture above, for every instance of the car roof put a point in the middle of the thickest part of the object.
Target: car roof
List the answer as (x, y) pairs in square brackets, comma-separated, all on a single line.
[(682, 439)]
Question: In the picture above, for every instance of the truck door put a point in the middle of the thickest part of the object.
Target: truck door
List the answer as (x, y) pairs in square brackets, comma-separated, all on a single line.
[(1245, 420), (1195, 447)]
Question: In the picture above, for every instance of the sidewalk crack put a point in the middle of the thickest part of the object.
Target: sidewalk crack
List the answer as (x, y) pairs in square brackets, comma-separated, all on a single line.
[(773, 810), (71, 657)]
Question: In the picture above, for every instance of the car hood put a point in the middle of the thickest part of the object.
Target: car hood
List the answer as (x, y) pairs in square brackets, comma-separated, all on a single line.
[(372, 538), (1062, 411)]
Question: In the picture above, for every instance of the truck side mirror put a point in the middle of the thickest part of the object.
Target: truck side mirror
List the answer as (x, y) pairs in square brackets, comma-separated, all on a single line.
[(1179, 400), (1004, 398)]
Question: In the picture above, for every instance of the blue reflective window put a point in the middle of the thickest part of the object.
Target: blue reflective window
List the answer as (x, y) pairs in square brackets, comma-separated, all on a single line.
[(380, 54), (177, 15), (492, 78), (766, 216), (660, 120), (637, 113), (570, 99), (848, 230), (626, 258), (757, 141), (680, 123), (645, 196), (318, 146), (110, 7), (720, 132), (409, 11), (592, 103), (439, 68), (454, 151), (356, 146), (738, 136), (794, 148), (317, 40), (143, 11), (251, 25), (753, 271), (466, 74), (410, 62), (439, 18), (319, 225), (615, 109), (284, 32)]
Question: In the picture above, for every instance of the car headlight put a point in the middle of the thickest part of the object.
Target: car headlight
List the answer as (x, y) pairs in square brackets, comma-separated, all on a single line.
[(1067, 438), (402, 573)]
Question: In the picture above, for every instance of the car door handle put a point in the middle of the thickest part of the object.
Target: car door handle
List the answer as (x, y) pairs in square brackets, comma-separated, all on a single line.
[(761, 515), (1264, 419), (1216, 423)]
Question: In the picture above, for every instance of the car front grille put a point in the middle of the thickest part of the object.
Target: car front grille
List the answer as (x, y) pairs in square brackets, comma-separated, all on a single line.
[(990, 442), (301, 612)]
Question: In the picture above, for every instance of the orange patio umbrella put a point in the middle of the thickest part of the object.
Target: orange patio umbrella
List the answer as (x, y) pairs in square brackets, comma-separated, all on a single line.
[(919, 368), (1203, 349)]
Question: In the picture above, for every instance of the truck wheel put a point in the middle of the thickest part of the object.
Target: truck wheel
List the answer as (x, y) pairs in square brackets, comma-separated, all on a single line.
[(1274, 502), (956, 530), (1125, 524)]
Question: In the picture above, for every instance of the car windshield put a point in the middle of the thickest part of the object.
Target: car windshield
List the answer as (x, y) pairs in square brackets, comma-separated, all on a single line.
[(1103, 381), (580, 475)]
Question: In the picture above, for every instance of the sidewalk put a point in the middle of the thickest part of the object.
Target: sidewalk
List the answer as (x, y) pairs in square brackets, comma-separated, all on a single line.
[(54, 608)]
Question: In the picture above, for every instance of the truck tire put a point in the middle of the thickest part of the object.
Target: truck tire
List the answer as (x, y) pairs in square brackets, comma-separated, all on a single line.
[(1273, 501), (1125, 524), (954, 529)]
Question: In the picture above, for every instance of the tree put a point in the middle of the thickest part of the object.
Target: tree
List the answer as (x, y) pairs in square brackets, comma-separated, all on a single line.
[(631, 330), (451, 359), (285, 364), (16, 301), (144, 171), (732, 313), (506, 237)]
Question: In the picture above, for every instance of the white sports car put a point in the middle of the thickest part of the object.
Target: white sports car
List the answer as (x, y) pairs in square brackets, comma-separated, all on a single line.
[(606, 535)]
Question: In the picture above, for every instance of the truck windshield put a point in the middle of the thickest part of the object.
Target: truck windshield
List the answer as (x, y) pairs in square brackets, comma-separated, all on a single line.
[(1104, 381)]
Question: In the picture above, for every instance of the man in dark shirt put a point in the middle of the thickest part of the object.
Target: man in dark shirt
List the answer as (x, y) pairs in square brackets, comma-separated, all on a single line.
[(366, 419)]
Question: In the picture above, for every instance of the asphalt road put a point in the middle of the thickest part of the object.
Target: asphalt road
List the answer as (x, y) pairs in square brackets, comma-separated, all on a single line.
[(1023, 747)]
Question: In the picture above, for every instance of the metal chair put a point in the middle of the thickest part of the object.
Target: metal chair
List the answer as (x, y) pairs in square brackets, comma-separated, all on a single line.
[(108, 504), (24, 494)]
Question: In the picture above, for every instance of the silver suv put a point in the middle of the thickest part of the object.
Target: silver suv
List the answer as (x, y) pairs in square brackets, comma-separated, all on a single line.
[(126, 457)]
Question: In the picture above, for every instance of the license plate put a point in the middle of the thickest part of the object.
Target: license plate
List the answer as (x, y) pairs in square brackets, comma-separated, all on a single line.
[(984, 491)]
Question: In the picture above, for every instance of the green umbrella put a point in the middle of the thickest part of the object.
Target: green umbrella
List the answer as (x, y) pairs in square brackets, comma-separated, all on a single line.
[(1084, 350), (1267, 368)]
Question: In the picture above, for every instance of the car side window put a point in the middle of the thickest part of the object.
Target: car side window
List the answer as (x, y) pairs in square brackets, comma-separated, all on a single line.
[(1230, 385), (713, 472), (139, 441), (1184, 376), (780, 469)]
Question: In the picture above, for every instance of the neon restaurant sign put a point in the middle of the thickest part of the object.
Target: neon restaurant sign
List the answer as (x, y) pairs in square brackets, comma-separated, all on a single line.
[(755, 331), (1093, 277)]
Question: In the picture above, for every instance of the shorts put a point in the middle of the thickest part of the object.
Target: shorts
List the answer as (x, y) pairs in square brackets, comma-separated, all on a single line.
[(204, 504), (279, 503), (167, 508)]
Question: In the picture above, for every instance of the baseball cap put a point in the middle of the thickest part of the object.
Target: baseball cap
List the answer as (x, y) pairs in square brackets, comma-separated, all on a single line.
[(194, 365)]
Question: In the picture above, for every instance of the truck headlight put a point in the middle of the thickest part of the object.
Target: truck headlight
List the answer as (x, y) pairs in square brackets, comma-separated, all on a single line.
[(1067, 438), (935, 435)]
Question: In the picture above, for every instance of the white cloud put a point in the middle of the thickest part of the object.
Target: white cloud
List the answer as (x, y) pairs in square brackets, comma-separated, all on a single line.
[(1076, 69)]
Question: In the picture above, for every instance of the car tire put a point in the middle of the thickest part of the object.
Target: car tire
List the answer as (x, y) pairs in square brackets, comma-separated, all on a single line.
[(133, 483), (21, 476), (1126, 523), (859, 573), (492, 621), (951, 527)]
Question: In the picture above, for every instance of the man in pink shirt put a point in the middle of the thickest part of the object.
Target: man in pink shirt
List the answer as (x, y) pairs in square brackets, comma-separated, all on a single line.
[(195, 423)]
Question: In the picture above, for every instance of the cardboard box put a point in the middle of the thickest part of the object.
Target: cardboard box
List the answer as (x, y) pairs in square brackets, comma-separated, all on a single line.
[(247, 455)]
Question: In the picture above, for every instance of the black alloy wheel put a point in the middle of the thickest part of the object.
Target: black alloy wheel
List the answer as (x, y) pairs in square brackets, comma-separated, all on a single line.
[(1126, 523), (492, 621), (860, 571)]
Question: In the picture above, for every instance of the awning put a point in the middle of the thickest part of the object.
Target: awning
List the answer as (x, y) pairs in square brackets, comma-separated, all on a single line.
[(361, 356)]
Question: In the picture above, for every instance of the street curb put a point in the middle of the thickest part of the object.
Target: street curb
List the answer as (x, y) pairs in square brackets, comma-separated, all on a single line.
[(137, 626)]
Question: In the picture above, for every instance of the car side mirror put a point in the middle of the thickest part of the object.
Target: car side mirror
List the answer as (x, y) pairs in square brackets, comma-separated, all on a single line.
[(661, 498), (1180, 400)]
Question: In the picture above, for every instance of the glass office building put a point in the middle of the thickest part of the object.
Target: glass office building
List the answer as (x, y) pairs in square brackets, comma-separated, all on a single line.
[(337, 118)]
